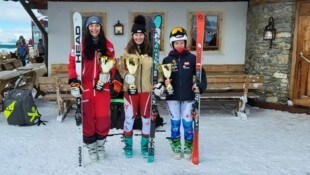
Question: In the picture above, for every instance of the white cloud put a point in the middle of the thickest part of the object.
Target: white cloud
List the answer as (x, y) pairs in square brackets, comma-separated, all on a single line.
[(14, 13), (8, 36)]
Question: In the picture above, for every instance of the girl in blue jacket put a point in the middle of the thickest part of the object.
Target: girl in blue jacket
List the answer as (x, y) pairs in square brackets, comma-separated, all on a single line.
[(180, 101)]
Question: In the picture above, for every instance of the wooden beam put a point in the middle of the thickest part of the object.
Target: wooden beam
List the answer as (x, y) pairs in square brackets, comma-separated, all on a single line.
[(259, 2), (42, 4), (280, 107)]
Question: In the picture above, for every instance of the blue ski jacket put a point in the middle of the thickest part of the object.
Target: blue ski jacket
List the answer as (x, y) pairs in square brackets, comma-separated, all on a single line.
[(182, 75)]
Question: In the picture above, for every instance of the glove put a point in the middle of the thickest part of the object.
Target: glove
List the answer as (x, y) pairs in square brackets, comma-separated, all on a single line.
[(75, 91), (104, 78), (158, 89), (129, 79), (196, 88)]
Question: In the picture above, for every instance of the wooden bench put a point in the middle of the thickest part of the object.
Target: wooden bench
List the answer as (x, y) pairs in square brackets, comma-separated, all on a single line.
[(9, 77), (231, 82), (29, 80), (59, 70), (10, 64), (57, 89)]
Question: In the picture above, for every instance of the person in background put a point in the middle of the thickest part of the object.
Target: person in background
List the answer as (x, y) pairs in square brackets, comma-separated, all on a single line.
[(22, 50), (40, 48), (180, 102), (30, 42), (138, 48), (95, 99)]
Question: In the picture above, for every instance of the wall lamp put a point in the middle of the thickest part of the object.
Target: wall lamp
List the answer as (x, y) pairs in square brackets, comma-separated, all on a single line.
[(270, 32), (118, 28)]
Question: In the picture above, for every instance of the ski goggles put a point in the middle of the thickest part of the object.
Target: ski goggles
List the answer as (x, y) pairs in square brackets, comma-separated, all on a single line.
[(177, 30)]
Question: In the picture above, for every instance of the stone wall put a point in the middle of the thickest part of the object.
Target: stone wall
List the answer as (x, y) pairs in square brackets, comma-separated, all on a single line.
[(274, 63)]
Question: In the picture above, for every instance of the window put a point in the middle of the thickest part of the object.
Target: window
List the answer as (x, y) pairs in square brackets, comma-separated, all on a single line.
[(149, 25), (212, 36)]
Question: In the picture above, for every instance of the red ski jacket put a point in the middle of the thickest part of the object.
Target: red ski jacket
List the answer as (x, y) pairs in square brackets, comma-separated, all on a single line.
[(90, 68)]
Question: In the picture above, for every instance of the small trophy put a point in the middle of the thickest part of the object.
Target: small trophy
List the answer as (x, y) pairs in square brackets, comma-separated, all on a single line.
[(166, 70), (106, 64), (132, 65)]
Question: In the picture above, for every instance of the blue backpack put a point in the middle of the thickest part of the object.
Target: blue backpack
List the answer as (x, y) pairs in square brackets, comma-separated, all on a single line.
[(22, 50)]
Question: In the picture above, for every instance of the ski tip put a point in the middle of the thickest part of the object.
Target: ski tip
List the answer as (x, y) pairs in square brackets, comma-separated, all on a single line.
[(158, 20), (195, 160), (150, 159)]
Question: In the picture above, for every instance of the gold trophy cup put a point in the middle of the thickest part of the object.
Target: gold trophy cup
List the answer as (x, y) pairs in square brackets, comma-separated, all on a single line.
[(132, 66), (166, 70), (106, 64)]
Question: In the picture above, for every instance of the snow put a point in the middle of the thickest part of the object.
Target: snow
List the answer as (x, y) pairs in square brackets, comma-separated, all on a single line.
[(269, 142)]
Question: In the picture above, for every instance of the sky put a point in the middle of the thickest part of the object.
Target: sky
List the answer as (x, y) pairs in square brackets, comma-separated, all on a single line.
[(14, 21)]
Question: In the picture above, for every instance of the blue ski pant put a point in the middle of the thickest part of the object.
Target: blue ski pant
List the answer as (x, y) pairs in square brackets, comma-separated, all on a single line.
[(180, 112)]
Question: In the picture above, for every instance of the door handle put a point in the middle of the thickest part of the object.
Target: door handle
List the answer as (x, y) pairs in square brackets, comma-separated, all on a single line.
[(306, 59)]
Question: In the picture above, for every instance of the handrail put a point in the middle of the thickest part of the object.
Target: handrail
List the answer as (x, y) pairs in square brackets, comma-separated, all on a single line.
[(306, 59)]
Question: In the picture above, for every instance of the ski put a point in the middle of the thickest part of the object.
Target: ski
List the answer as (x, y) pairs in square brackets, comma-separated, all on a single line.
[(154, 112), (200, 21), (77, 30), (137, 134)]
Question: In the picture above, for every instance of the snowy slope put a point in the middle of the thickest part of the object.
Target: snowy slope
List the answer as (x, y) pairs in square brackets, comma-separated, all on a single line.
[(269, 142)]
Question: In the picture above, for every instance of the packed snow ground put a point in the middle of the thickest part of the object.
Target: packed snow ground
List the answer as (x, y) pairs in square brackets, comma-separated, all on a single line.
[(269, 142)]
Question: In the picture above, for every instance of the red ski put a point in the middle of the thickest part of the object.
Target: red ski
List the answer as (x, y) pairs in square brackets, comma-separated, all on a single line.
[(200, 21)]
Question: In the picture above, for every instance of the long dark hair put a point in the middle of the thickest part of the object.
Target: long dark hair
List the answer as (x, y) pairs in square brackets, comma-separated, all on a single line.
[(145, 47), (91, 47)]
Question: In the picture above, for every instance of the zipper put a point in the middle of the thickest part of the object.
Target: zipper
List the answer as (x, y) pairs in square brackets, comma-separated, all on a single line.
[(180, 75), (141, 74), (94, 73)]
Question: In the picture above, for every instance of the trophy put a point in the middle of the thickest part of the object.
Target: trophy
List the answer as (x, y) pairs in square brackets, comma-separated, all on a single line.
[(106, 64), (166, 69), (132, 65)]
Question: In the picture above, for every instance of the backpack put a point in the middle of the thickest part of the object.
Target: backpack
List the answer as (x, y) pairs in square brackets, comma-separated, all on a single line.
[(138, 122), (117, 113), (20, 108), (116, 85), (118, 116)]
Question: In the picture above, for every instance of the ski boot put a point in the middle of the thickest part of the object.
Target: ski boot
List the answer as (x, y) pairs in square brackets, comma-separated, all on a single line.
[(188, 149), (128, 146), (92, 151), (144, 146), (101, 148), (176, 148)]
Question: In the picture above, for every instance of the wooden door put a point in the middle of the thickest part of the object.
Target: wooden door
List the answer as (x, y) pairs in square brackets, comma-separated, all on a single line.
[(301, 88)]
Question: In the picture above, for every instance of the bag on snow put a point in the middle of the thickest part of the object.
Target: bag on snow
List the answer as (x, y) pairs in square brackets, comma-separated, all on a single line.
[(118, 116), (138, 122), (117, 113), (20, 108)]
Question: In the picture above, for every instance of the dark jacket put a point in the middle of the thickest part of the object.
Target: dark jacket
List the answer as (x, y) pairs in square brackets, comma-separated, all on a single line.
[(182, 75)]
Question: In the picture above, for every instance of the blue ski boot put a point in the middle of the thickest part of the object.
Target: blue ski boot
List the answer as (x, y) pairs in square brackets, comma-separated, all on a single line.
[(188, 149), (176, 148), (128, 146), (144, 146)]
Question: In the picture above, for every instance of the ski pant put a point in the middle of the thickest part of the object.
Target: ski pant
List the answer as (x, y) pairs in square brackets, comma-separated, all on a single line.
[(23, 60), (181, 110), (132, 103), (96, 113)]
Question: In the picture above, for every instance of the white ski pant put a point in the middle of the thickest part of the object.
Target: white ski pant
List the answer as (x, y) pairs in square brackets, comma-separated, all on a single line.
[(181, 110), (131, 105)]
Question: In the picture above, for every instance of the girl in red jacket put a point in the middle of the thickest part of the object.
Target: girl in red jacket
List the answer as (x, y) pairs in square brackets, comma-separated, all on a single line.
[(95, 100)]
